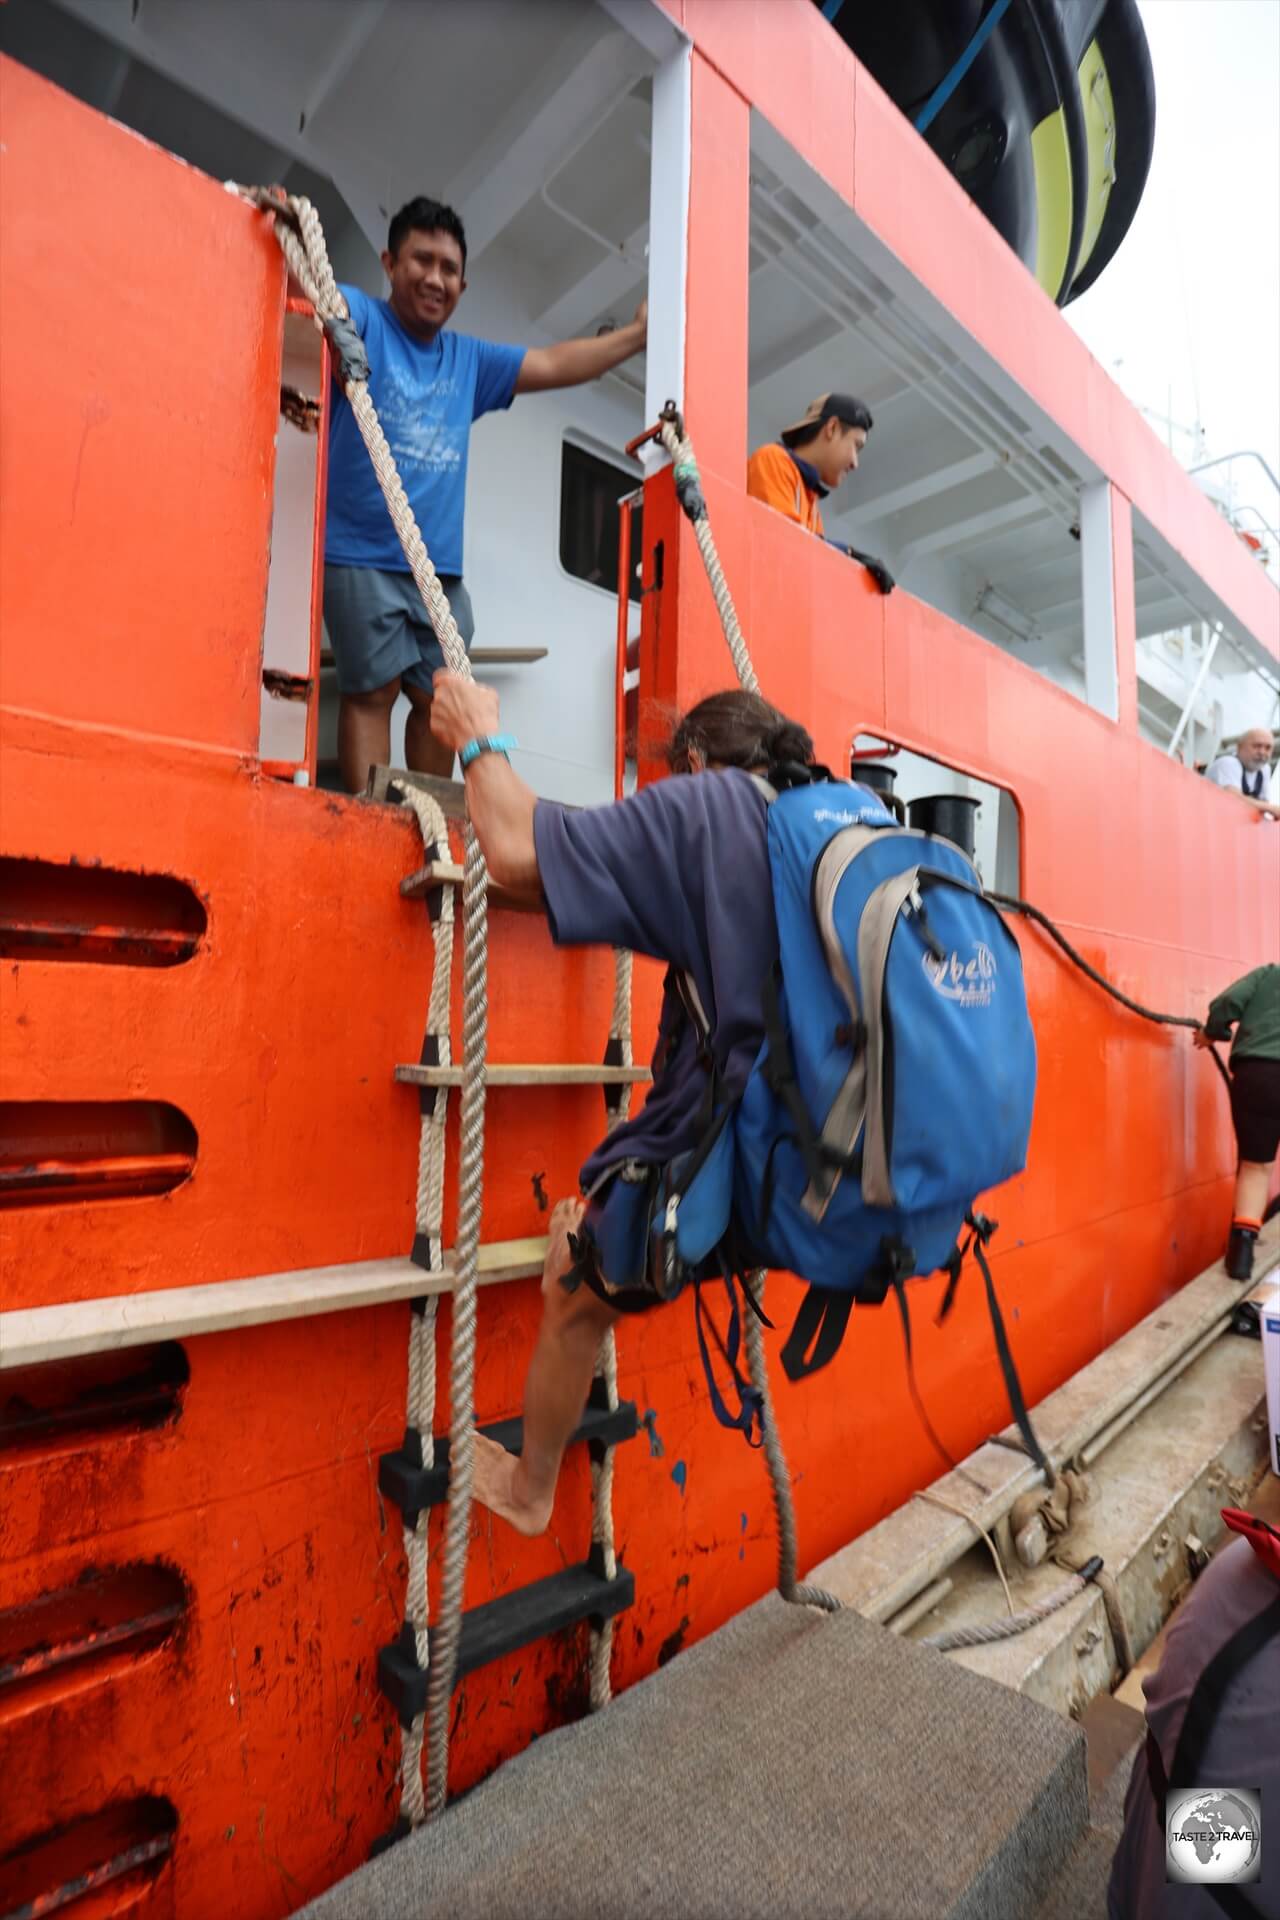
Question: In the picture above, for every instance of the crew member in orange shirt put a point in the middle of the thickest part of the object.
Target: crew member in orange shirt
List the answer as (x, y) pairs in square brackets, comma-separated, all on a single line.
[(809, 461)]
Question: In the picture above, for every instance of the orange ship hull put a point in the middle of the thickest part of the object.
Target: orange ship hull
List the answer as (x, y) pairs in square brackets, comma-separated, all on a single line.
[(241, 1736)]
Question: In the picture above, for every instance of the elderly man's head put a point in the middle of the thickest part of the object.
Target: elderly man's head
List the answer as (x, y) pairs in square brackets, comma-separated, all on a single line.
[(1254, 747)]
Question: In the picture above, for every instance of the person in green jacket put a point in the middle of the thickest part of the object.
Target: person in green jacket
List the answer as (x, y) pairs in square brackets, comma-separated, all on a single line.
[(1252, 1007)]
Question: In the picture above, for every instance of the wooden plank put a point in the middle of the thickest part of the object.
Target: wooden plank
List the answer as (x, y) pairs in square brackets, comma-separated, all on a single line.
[(436, 873), (446, 873), (579, 1074), (507, 656), (449, 795), (33, 1335)]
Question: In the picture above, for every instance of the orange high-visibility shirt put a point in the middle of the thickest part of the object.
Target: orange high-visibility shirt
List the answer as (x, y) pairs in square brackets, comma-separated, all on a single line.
[(773, 476)]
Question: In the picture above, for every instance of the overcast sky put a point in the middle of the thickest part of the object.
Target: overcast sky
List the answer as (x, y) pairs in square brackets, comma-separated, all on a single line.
[(1191, 303)]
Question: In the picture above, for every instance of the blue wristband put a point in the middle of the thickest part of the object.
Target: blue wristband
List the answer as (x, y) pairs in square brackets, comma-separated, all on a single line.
[(487, 743)]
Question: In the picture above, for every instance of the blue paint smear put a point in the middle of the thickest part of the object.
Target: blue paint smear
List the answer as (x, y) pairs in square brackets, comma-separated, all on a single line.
[(680, 1473), (650, 1425)]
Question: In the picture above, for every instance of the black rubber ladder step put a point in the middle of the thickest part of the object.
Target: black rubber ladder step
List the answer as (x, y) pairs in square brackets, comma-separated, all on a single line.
[(409, 1485), (578, 1073), (502, 1626)]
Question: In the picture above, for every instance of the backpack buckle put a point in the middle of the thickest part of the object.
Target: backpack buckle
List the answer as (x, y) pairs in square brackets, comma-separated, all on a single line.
[(895, 1262)]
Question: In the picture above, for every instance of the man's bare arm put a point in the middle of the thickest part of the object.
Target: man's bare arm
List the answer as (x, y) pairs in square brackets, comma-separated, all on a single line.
[(500, 803), (501, 808), (572, 362)]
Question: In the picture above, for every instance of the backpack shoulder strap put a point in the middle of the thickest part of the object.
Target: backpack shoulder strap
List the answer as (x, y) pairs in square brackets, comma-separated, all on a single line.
[(816, 1333), (1212, 1687), (686, 989), (1203, 1707)]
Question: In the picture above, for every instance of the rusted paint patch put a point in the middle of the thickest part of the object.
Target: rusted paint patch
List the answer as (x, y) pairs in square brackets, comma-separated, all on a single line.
[(673, 1642)]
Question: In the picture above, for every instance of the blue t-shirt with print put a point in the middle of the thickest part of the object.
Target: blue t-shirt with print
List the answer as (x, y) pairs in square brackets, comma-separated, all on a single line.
[(679, 871), (427, 394)]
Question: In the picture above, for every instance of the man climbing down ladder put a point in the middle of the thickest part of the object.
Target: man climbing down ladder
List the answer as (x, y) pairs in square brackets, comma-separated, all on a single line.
[(679, 871)]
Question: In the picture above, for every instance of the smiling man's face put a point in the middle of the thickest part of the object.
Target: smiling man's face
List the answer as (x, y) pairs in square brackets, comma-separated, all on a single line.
[(427, 281)]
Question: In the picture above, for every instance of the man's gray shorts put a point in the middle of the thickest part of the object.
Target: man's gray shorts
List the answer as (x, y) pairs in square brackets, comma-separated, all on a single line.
[(380, 631)]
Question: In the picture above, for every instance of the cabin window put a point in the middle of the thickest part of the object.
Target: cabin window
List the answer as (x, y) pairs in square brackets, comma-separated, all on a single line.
[(975, 813), (590, 489)]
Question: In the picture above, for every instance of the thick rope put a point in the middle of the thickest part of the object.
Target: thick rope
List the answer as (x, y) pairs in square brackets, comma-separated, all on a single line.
[(1005, 1629), (796, 1592), (601, 1648), (600, 1655), (689, 490), (688, 484), (428, 1224), (462, 1347), (961, 1513), (301, 237)]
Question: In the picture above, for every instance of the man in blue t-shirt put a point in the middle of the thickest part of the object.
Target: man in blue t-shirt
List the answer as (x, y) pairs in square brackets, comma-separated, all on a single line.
[(679, 871), (428, 385)]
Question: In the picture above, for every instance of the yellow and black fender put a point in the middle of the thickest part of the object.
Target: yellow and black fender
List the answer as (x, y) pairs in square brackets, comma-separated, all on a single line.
[(1043, 110)]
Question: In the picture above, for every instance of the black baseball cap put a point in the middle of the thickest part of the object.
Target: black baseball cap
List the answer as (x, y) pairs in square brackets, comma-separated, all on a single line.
[(829, 406)]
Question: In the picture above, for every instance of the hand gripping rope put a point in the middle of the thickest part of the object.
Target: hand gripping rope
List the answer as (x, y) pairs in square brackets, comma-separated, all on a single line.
[(301, 238)]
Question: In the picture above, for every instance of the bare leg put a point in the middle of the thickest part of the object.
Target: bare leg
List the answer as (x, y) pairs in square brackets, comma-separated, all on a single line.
[(422, 751), (1252, 1182), (364, 734), (522, 1489)]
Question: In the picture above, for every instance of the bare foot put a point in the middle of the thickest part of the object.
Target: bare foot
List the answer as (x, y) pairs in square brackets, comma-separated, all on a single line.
[(499, 1486)]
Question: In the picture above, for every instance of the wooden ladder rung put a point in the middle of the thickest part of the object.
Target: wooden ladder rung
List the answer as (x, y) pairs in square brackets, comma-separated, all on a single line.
[(447, 873), (507, 656), (30, 1336), (578, 1074), (436, 873)]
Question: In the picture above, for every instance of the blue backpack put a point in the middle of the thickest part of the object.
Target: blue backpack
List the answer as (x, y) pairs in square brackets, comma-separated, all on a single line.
[(895, 1083)]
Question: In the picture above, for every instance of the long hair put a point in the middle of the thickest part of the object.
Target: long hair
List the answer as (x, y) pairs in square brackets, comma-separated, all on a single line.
[(737, 729)]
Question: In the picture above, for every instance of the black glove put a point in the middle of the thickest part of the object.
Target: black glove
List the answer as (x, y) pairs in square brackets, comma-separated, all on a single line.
[(876, 568)]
